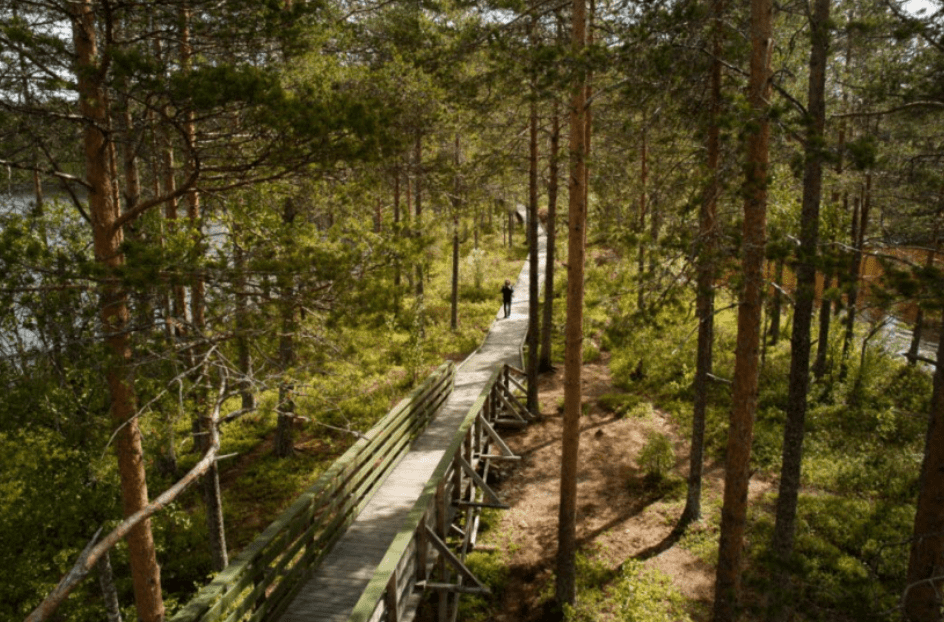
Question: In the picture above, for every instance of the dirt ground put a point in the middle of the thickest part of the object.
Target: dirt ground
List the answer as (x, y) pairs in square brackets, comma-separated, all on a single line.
[(618, 515)]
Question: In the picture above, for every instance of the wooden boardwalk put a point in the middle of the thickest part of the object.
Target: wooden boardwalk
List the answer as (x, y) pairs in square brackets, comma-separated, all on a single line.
[(337, 584)]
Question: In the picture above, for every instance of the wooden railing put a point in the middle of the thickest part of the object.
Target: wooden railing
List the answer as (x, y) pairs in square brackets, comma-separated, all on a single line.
[(264, 577), (447, 511)]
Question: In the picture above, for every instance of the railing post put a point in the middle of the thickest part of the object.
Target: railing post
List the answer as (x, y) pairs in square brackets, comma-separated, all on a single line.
[(422, 547), (441, 525), (392, 596)]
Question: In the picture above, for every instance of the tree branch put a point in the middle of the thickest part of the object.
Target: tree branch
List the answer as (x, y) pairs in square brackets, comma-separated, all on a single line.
[(879, 113), (93, 552)]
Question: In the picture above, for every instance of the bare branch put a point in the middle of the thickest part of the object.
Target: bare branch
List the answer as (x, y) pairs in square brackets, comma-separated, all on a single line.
[(93, 552), (878, 113)]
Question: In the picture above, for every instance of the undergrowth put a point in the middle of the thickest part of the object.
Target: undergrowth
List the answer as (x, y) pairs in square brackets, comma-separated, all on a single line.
[(862, 453), (347, 382), (633, 592)]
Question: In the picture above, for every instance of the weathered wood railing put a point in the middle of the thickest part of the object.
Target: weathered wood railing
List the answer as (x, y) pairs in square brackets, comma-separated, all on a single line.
[(447, 511), (264, 577)]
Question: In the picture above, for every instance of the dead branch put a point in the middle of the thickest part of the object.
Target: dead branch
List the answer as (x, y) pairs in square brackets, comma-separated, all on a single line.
[(93, 552)]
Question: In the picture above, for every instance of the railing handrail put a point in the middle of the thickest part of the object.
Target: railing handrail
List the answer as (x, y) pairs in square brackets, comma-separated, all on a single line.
[(326, 508), (377, 586)]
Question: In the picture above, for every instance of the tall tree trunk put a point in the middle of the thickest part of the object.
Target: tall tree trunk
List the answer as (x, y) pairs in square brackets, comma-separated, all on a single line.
[(855, 267), (776, 304), (510, 218), (705, 297), (38, 195), (805, 296), (454, 295), (454, 316), (284, 444), (643, 177), (545, 363), (202, 416), (534, 327), (916, 333), (397, 276), (822, 343), (915, 347), (744, 391), (925, 579), (588, 113), (178, 315), (114, 313), (243, 355), (566, 586), (106, 582), (417, 199), (167, 462), (828, 307)]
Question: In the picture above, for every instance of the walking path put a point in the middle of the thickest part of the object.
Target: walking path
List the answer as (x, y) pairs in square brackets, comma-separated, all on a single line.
[(335, 587)]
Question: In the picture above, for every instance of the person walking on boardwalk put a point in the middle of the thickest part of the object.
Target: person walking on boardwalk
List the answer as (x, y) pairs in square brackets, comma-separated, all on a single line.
[(507, 290)]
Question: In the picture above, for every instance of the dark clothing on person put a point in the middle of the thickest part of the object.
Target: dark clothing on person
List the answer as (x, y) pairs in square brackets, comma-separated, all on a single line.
[(507, 291)]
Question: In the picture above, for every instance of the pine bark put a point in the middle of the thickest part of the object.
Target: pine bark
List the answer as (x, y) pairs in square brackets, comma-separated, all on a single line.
[(533, 276), (744, 391), (397, 277), (114, 312), (454, 315), (545, 364), (566, 587), (243, 354), (825, 315), (917, 332), (418, 204), (284, 441), (860, 223), (643, 178), (776, 304), (925, 579), (705, 299), (800, 345)]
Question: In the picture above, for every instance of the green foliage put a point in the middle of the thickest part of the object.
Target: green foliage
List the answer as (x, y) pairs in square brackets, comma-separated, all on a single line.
[(657, 456), (620, 404), (476, 261), (491, 567), (862, 450), (54, 497), (849, 554), (591, 354), (633, 592)]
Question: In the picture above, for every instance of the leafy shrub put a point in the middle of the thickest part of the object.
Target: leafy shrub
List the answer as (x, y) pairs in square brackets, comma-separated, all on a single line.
[(491, 568), (591, 354), (630, 593), (850, 554), (619, 403), (657, 457)]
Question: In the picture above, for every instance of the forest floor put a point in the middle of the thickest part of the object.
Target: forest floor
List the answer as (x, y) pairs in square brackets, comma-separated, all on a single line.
[(621, 516)]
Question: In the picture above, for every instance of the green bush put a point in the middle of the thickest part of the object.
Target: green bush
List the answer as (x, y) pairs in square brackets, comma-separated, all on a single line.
[(850, 553), (630, 593), (657, 457), (491, 568), (591, 354), (618, 403)]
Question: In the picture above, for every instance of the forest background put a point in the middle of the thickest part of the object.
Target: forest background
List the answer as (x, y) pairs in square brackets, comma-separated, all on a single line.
[(235, 232)]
